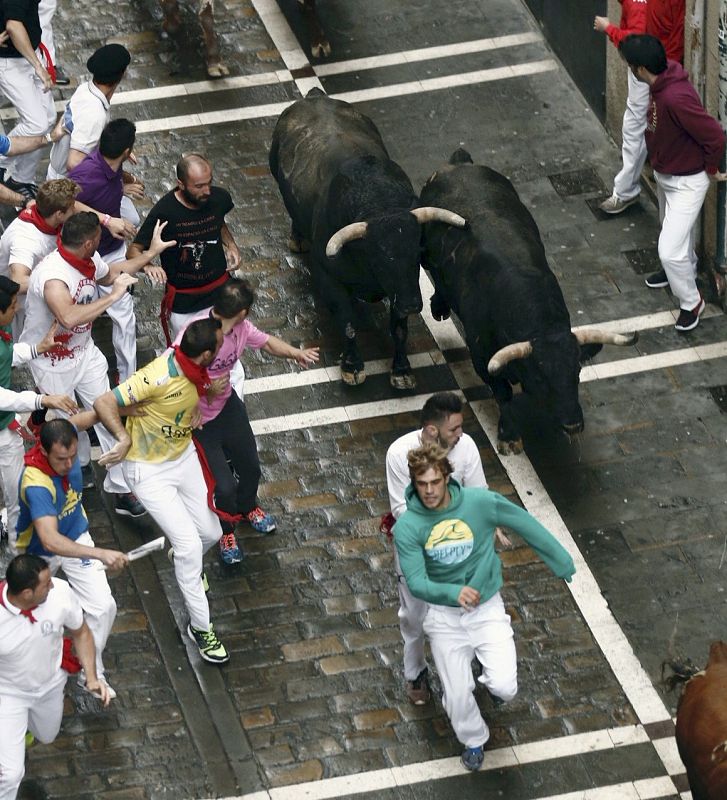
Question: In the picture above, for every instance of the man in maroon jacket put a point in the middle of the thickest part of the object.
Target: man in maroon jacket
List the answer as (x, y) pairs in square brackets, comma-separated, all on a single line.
[(685, 145)]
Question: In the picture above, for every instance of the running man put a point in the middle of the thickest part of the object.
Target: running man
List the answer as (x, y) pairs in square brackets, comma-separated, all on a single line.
[(446, 551), (53, 525), (226, 436), (35, 609), (161, 465), (442, 420)]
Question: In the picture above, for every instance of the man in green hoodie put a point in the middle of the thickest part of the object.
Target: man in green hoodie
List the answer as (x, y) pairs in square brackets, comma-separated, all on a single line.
[(447, 554)]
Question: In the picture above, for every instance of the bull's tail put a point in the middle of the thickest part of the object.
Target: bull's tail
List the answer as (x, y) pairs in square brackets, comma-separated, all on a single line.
[(460, 156), (682, 672)]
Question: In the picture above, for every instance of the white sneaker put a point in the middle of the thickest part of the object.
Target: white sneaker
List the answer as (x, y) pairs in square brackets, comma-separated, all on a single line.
[(615, 205)]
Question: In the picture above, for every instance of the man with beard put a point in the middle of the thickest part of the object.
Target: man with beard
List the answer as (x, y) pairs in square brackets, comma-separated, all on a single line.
[(441, 424), (205, 253)]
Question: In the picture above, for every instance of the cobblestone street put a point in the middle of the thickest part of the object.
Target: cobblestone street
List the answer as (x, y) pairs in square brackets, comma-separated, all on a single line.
[(314, 691)]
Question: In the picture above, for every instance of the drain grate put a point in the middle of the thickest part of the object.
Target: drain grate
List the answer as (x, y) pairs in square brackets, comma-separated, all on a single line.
[(579, 181), (644, 260)]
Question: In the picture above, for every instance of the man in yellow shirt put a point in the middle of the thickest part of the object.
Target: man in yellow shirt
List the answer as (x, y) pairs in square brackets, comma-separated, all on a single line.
[(160, 462)]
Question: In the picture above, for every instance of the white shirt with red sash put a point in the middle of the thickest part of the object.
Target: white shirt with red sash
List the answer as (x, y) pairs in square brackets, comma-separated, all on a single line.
[(39, 317), (31, 651)]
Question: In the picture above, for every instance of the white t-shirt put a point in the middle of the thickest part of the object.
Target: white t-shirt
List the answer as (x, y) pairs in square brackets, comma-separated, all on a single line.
[(39, 317), (464, 458), (86, 115), (22, 243), (30, 652)]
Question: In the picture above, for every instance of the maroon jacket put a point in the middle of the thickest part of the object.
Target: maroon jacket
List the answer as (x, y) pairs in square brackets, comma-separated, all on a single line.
[(681, 137)]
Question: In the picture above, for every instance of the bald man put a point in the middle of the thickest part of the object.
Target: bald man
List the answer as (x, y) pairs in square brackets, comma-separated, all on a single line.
[(205, 253)]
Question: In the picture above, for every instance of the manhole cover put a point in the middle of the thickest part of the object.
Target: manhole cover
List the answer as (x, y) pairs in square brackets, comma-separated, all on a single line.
[(643, 260), (719, 395), (579, 181)]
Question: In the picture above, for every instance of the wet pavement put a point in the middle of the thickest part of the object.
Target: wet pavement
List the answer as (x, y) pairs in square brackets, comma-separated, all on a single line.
[(313, 690)]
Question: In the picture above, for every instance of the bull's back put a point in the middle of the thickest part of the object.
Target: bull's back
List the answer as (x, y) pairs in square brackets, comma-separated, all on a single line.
[(496, 266), (312, 140), (701, 733)]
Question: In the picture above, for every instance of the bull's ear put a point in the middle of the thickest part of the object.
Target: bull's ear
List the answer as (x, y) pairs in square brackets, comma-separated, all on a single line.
[(588, 351)]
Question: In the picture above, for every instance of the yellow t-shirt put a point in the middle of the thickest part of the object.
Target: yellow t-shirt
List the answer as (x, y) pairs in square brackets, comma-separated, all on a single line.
[(164, 431)]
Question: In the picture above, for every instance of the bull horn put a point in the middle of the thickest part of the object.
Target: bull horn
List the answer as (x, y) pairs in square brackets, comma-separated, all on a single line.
[(596, 336), (356, 230), (507, 354), (434, 214)]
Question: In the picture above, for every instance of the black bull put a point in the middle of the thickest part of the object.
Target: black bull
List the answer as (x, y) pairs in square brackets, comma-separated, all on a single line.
[(494, 275), (358, 212)]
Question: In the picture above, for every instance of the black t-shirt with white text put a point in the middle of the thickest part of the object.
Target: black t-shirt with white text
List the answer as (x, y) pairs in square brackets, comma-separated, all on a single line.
[(25, 11), (198, 258)]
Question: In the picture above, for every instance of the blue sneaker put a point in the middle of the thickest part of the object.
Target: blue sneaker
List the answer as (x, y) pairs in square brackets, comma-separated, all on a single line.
[(473, 757), (260, 521), (230, 552)]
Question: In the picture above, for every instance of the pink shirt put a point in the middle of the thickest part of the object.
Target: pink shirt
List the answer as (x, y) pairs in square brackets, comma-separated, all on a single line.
[(242, 335)]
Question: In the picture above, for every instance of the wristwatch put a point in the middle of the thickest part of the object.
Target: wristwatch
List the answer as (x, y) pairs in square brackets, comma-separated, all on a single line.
[(48, 138)]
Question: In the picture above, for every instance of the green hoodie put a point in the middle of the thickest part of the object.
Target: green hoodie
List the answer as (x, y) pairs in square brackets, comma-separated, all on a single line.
[(443, 550)]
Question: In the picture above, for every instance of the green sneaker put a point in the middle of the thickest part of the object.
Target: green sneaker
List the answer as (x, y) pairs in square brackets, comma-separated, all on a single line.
[(210, 647)]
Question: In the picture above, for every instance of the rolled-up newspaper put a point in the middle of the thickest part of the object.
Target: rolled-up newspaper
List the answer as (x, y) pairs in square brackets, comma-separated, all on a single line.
[(145, 549)]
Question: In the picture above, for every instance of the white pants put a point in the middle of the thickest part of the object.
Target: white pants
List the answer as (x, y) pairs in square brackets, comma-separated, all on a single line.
[(175, 494), (11, 465), (41, 716), (633, 148), (19, 83), (89, 380), (123, 321), (455, 636), (46, 10), (178, 322), (89, 583), (680, 201), (411, 621)]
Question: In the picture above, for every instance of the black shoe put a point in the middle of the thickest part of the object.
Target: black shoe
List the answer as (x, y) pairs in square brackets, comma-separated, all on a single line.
[(28, 190), (128, 505), (61, 78), (688, 320), (418, 690), (658, 280)]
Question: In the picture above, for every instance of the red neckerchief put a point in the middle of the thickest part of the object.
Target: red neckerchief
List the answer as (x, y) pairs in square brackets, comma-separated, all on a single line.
[(24, 612), (32, 216), (5, 336), (84, 265), (36, 458), (195, 373)]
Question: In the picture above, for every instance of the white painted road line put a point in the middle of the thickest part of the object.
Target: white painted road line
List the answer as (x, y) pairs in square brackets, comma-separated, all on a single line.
[(467, 378), (500, 758), (285, 42), (426, 54)]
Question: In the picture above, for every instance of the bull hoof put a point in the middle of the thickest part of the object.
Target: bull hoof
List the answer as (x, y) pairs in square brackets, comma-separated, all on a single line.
[(403, 381), (321, 50), (509, 448), (353, 378), (217, 70)]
